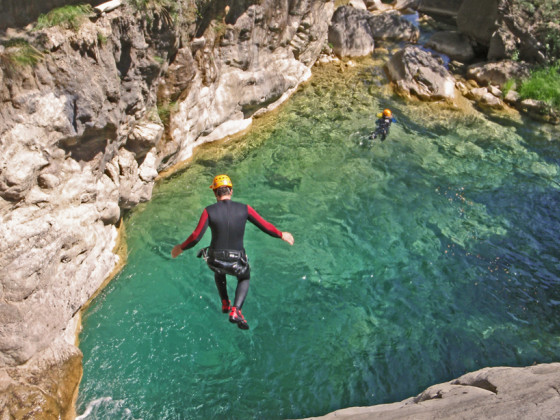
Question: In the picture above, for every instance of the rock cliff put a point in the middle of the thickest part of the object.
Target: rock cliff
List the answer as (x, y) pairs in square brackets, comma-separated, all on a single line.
[(82, 141), (491, 393)]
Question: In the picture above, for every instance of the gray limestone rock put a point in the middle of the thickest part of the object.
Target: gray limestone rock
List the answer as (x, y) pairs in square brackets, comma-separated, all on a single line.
[(350, 32), (353, 31), (497, 73), (418, 72), (500, 393), (440, 7), (503, 45), (483, 97), (392, 26), (453, 44), (478, 19)]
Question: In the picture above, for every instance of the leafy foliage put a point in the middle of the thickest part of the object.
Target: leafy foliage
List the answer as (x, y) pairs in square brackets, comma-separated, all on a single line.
[(543, 85), (69, 17), (168, 9), (544, 16)]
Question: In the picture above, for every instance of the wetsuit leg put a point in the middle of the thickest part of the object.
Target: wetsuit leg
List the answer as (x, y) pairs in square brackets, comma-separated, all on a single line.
[(241, 292), (221, 284)]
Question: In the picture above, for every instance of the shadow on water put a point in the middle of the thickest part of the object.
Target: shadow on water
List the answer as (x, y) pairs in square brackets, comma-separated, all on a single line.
[(416, 260)]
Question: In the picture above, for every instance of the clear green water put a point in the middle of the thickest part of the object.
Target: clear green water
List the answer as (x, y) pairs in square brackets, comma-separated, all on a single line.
[(416, 260)]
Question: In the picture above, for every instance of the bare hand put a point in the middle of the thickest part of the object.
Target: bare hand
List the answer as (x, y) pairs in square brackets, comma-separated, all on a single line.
[(287, 236), (176, 251)]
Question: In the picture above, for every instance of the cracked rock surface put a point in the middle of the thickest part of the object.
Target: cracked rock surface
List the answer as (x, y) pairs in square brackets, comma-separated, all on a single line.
[(504, 393)]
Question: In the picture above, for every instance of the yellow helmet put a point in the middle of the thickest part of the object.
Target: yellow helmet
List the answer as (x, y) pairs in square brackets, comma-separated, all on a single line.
[(387, 112), (221, 181)]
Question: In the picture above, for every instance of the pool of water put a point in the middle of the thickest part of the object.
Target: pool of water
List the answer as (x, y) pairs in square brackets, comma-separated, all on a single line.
[(416, 260)]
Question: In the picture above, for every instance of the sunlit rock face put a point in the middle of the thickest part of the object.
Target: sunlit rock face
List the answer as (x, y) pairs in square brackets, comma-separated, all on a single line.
[(499, 392), (254, 60), (415, 71)]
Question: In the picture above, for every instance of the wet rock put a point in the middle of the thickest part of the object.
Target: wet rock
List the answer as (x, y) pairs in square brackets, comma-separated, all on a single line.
[(453, 44), (353, 31), (392, 26), (418, 72)]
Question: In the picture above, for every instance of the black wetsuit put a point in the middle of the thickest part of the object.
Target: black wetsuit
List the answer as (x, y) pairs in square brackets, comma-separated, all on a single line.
[(226, 254), (383, 125)]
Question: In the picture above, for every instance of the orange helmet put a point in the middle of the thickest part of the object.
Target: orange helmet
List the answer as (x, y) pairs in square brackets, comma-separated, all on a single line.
[(387, 113), (221, 181)]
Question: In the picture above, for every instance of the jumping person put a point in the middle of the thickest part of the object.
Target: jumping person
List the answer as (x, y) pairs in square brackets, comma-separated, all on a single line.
[(384, 120), (226, 253)]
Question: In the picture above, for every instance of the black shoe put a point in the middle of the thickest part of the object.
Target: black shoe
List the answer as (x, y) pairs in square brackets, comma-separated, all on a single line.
[(236, 317)]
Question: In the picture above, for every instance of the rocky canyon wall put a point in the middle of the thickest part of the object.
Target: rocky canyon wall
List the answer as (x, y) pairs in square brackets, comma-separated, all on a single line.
[(16, 13), (81, 140)]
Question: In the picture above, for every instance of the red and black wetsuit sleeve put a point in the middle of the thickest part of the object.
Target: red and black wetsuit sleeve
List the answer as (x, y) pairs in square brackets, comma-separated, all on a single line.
[(198, 233), (267, 227)]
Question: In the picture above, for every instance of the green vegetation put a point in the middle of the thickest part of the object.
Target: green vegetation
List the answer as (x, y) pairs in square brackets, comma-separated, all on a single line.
[(544, 16), (165, 110), (167, 9), (509, 85), (19, 52), (543, 85), (101, 38), (69, 17)]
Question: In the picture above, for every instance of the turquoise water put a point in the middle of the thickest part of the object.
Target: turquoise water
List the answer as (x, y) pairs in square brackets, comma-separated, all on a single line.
[(416, 260)]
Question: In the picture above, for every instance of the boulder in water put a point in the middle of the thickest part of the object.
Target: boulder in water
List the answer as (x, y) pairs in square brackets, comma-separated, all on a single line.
[(392, 26), (418, 72)]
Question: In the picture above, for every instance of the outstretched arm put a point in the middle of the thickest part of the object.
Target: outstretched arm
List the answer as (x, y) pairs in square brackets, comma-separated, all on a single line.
[(267, 227), (194, 238)]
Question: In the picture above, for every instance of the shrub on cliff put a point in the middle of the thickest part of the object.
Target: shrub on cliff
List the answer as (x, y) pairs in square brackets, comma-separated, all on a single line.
[(544, 17), (69, 17), (18, 52)]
